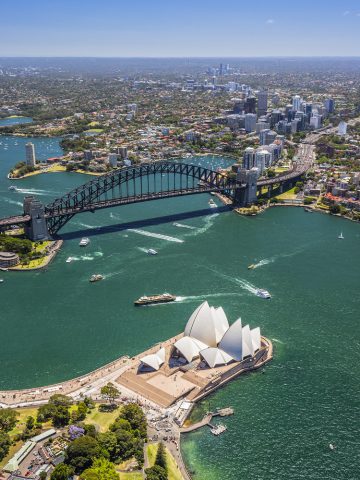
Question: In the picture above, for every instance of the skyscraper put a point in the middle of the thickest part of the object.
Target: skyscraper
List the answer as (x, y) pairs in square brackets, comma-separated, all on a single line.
[(250, 122), (30, 154), (329, 105), (262, 103), (296, 101)]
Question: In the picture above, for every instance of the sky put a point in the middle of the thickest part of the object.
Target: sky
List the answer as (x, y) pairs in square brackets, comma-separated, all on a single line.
[(173, 28)]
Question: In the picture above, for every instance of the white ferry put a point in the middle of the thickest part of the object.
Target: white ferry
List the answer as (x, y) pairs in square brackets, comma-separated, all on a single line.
[(263, 293), (84, 241)]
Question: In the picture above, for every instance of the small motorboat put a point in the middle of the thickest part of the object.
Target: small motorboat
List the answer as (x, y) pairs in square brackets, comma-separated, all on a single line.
[(251, 267), (341, 236), (263, 293), (96, 278), (84, 241), (12, 188), (212, 204), (151, 251), (70, 259), (1, 280), (332, 446)]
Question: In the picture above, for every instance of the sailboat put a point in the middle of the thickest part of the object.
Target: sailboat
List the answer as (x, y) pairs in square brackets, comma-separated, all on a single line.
[(341, 236)]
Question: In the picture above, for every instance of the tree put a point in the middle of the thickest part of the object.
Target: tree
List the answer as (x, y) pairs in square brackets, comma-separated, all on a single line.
[(156, 473), (334, 209), (45, 412), (30, 423), (108, 442), (60, 399), (81, 452), (82, 410), (8, 419), (161, 456), (62, 472), (136, 417), (42, 475), (5, 443), (101, 469), (61, 416), (110, 392)]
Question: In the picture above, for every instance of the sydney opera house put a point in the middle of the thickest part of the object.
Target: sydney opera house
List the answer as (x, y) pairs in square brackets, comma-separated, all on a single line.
[(189, 366)]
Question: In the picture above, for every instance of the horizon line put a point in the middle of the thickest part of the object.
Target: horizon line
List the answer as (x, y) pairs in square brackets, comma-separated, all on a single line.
[(179, 57)]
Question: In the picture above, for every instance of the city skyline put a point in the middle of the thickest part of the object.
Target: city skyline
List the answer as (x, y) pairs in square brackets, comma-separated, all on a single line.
[(180, 29)]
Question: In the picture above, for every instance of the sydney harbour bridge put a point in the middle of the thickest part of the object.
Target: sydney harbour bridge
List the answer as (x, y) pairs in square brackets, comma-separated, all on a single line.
[(145, 182)]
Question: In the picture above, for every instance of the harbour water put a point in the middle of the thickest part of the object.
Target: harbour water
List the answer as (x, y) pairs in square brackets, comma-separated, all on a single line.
[(9, 121), (56, 325)]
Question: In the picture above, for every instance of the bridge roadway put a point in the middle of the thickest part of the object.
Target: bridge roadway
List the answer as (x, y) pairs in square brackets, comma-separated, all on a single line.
[(132, 199)]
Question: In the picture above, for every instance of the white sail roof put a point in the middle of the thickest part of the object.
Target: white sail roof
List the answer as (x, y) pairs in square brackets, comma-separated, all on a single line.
[(247, 346), (256, 338), (189, 347), (231, 342), (154, 360), (215, 357), (207, 324)]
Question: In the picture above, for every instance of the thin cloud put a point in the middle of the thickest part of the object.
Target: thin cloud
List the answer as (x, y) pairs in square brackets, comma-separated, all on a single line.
[(347, 12), (269, 21)]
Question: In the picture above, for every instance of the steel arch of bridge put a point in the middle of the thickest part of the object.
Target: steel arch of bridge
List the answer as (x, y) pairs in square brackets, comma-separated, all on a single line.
[(87, 197)]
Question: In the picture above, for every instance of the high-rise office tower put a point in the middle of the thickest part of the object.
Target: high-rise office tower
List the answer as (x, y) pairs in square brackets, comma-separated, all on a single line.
[(262, 103), (249, 158), (30, 154), (329, 105), (250, 122), (296, 102)]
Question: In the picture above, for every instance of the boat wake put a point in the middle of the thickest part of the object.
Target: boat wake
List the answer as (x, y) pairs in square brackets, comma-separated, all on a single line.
[(156, 235), (34, 191), (209, 222), (85, 225), (142, 249), (87, 257), (182, 225), (113, 274), (263, 262), (277, 341), (244, 284), (13, 202), (191, 298)]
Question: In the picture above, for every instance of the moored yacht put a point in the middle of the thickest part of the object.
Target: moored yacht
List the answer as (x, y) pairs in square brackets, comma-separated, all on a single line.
[(84, 241), (263, 293)]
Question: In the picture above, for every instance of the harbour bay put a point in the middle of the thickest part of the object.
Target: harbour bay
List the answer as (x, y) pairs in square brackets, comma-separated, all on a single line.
[(56, 324)]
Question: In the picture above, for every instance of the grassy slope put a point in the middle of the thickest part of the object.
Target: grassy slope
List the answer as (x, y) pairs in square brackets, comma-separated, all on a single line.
[(173, 471)]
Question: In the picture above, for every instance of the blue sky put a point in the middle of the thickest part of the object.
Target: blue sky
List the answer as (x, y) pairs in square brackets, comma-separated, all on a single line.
[(173, 28)]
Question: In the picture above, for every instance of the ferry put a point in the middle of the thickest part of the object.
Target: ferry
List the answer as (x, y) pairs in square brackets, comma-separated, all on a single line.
[(84, 241), (12, 188), (95, 278), (212, 204), (251, 267), (164, 298), (70, 259), (341, 236), (263, 293), (151, 251)]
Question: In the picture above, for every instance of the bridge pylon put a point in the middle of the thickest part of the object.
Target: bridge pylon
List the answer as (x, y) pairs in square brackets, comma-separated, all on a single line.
[(36, 229), (246, 187)]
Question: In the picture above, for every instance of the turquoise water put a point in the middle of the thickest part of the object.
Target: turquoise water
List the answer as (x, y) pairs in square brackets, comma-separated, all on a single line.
[(8, 121), (55, 324)]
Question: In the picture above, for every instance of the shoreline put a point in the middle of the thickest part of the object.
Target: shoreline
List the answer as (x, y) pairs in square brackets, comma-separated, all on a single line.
[(53, 250)]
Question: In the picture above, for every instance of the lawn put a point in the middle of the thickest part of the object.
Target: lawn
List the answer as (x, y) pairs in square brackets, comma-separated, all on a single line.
[(173, 471), (130, 476), (289, 195), (102, 420)]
